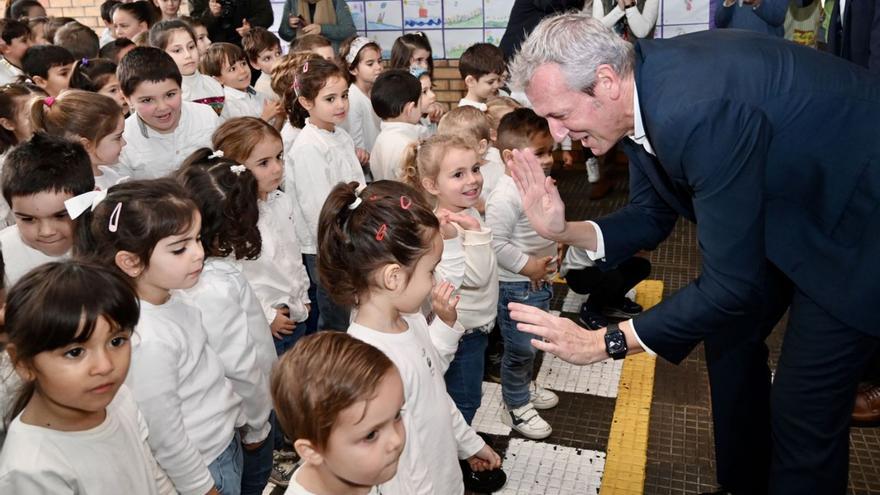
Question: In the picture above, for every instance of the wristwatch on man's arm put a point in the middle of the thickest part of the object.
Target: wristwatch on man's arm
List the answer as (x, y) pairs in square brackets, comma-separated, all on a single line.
[(615, 342)]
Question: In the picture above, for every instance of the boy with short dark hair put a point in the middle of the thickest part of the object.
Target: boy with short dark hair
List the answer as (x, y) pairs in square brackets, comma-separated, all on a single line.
[(314, 43), (78, 39), (16, 37), (116, 49), (263, 49), (49, 67), (227, 64), (395, 99), (107, 35), (39, 175), (162, 129), (482, 68), (526, 265)]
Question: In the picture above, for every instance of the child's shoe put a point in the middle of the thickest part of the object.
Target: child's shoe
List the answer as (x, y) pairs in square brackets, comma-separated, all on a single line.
[(526, 421)]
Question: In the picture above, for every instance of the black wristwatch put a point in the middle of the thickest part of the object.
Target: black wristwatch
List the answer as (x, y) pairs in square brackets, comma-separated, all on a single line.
[(615, 342)]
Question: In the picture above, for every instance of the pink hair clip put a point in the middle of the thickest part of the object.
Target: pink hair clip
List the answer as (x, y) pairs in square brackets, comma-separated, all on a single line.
[(305, 67), (405, 202), (49, 101), (380, 234)]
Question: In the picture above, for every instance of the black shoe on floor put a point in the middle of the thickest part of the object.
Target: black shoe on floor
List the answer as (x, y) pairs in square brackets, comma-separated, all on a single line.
[(590, 319), (625, 309), (482, 481)]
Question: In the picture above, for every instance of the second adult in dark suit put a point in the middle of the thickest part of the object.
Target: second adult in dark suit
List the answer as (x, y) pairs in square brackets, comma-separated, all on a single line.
[(720, 129), (855, 35)]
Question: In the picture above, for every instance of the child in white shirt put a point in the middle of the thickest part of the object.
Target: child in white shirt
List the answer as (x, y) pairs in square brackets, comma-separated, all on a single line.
[(38, 177), (177, 38), (16, 36), (341, 402), (277, 276), (149, 230), (468, 121), (379, 250), (324, 156), (263, 50), (226, 63), (482, 68), (162, 129), (362, 59), (75, 421), (526, 264), (396, 97)]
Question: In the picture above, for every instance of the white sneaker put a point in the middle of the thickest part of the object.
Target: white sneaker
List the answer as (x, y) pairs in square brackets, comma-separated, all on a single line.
[(527, 422), (593, 170), (542, 398)]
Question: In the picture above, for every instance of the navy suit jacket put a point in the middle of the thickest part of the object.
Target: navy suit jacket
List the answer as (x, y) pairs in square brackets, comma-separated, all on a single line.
[(773, 149), (859, 42)]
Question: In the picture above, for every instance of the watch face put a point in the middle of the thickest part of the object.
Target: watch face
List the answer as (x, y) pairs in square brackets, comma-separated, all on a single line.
[(615, 344)]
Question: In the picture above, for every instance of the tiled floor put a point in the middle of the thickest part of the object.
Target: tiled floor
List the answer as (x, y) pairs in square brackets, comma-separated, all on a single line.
[(680, 457)]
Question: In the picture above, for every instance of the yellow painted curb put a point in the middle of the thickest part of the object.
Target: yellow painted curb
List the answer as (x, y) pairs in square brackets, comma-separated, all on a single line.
[(628, 440)]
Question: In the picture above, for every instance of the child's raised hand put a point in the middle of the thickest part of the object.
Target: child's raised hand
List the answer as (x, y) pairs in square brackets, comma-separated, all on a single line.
[(271, 109), (282, 325), (443, 303), (465, 221), (447, 230), (485, 459), (435, 111)]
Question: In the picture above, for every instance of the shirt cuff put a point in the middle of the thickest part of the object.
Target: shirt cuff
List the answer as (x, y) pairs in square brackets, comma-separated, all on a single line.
[(641, 343), (599, 253)]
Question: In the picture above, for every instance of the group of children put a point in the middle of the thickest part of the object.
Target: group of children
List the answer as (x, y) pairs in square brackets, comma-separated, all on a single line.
[(179, 242)]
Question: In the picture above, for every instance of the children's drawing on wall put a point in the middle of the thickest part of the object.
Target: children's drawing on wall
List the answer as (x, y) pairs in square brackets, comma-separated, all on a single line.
[(458, 40), (463, 14), (384, 15), (685, 12), (497, 12), (357, 15), (422, 14)]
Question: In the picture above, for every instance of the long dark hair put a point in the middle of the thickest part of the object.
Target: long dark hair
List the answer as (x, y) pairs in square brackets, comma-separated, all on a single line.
[(227, 199), (59, 303)]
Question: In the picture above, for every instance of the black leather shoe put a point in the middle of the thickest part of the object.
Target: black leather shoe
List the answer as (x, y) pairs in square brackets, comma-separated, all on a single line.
[(591, 320), (624, 309), (482, 481)]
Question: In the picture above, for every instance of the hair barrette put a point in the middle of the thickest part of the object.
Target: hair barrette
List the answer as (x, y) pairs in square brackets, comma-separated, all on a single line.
[(77, 205), (380, 234), (354, 204), (405, 202), (49, 101), (237, 169), (216, 154), (305, 67), (84, 61)]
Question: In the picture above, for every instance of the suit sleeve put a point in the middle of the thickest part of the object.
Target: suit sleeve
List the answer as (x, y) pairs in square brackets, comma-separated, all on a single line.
[(723, 14), (723, 157), (772, 11), (874, 43)]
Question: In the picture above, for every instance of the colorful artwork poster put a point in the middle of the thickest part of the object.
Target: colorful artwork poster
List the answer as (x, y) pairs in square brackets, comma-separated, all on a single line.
[(435, 37), (673, 31), (358, 15), (685, 12), (384, 16), (497, 12), (494, 36), (385, 39), (462, 14), (458, 40), (422, 14)]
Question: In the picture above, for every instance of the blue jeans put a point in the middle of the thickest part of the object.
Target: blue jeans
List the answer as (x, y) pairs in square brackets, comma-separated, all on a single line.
[(517, 364), (312, 322), (257, 467), (331, 316), (226, 468), (464, 378), (287, 342)]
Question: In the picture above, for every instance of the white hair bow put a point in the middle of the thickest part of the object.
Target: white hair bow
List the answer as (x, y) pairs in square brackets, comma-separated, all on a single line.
[(77, 205)]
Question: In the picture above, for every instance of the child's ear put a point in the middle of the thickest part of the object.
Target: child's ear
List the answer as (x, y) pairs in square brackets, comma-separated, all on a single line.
[(430, 185), (7, 124), (39, 81), (392, 277), (506, 155), (484, 145), (86, 144), (306, 103), (24, 370), (470, 81), (129, 263), (253, 65), (307, 452)]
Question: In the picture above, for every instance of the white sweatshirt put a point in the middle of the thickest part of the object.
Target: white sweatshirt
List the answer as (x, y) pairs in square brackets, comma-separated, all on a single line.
[(436, 433), (361, 123), (322, 160), (514, 239), (20, 258), (199, 88), (386, 158), (278, 276), (468, 263), (492, 170), (243, 103), (178, 382), (109, 459), (148, 154), (264, 86), (239, 333)]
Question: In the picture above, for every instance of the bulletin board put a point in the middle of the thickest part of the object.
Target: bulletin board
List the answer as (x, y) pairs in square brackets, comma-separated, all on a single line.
[(454, 25)]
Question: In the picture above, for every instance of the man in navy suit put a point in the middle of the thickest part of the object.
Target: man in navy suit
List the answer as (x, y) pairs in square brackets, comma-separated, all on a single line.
[(855, 35), (721, 128)]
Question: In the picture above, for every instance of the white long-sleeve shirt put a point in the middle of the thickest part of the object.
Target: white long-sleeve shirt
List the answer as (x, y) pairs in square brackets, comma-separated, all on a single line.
[(205, 90), (20, 258), (513, 237), (278, 276), (492, 170), (264, 86), (469, 263), (243, 103), (361, 122), (640, 23), (179, 384), (109, 459), (148, 154), (436, 433), (386, 158), (8, 72), (239, 333), (322, 160)]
